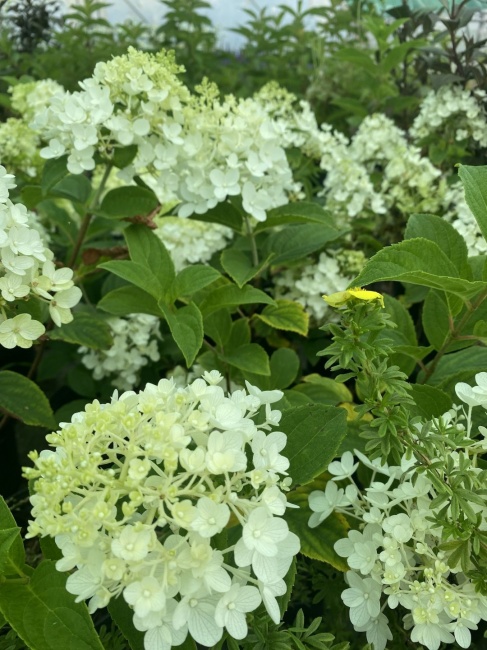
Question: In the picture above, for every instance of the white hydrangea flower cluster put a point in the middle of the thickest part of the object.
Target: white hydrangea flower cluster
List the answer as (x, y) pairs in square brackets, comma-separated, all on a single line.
[(193, 148), (27, 270), (19, 143), (333, 272), (29, 99), (463, 111), (137, 491), (190, 241), (396, 554), (135, 340)]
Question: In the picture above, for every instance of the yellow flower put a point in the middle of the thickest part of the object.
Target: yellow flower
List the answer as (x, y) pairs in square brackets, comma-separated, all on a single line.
[(342, 297)]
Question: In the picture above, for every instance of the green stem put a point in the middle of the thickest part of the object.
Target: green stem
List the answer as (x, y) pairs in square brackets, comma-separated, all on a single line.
[(250, 232), (88, 217)]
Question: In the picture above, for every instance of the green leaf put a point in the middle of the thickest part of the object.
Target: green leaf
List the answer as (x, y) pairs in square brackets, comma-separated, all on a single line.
[(12, 554), (418, 261), (123, 156), (23, 399), (286, 315), (53, 172), (435, 318), (193, 278), (324, 390), (239, 266), (186, 325), (296, 241), (284, 365), (474, 180), (301, 212), (31, 196), (87, 328), (129, 300), (122, 616), (218, 326), (457, 366), (444, 235), (232, 296), (429, 402), (250, 357), (126, 202), (316, 543), (45, 615), (74, 187), (146, 249), (314, 434), (223, 213)]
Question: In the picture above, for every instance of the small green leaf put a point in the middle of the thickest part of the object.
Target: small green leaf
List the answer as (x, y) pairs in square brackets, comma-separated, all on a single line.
[(324, 390), (286, 315), (146, 249), (123, 156), (126, 202), (284, 366), (23, 399), (87, 328), (250, 357), (314, 434), (316, 543), (129, 300), (74, 187), (186, 325), (44, 614), (230, 295)]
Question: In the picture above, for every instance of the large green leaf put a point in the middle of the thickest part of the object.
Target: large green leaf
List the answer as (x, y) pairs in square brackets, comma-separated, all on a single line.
[(316, 543), (146, 249), (129, 300), (87, 328), (186, 325), (418, 261), (475, 183), (126, 202), (53, 172), (301, 212), (429, 402), (23, 399), (239, 265), (314, 434), (122, 615), (232, 296), (223, 213), (44, 614), (74, 187), (193, 278), (435, 318), (444, 235), (284, 365), (286, 315), (12, 554), (457, 366)]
